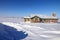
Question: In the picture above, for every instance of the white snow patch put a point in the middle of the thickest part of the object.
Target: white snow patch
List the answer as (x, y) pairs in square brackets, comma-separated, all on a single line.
[(36, 31), (55, 32), (46, 36)]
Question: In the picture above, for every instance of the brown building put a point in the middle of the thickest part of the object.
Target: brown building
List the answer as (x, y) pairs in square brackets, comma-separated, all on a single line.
[(41, 19)]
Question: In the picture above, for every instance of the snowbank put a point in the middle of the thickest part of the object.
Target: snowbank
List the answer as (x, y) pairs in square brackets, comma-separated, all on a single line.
[(37, 31)]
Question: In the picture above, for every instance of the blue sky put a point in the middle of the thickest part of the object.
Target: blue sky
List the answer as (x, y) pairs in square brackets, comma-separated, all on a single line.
[(20, 8)]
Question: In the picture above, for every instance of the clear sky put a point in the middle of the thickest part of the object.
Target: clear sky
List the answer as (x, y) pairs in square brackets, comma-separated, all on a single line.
[(20, 8)]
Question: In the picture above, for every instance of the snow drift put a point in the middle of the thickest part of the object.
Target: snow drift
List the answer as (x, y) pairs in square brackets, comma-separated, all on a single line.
[(37, 31), (10, 33)]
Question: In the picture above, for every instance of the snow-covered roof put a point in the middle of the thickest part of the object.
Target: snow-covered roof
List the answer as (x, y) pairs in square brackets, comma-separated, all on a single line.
[(27, 17), (41, 16)]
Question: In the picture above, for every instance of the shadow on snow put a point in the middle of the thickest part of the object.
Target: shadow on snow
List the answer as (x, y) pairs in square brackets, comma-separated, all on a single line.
[(10, 33)]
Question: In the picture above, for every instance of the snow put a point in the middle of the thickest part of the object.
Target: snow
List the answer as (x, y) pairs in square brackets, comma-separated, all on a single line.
[(26, 17), (11, 19), (39, 15), (45, 36), (59, 20), (55, 32), (37, 31)]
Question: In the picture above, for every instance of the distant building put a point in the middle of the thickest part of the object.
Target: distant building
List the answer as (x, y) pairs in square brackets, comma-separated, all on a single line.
[(35, 18)]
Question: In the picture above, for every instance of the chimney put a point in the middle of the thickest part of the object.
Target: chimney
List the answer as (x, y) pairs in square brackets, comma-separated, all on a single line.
[(54, 14)]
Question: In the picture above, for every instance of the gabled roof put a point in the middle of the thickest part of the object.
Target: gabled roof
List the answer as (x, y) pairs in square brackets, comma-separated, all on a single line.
[(41, 16)]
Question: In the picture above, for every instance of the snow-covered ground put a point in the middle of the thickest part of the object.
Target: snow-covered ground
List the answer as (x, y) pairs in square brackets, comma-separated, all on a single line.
[(37, 31)]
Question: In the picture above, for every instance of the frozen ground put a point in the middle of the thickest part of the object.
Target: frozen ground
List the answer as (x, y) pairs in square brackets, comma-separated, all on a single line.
[(37, 31)]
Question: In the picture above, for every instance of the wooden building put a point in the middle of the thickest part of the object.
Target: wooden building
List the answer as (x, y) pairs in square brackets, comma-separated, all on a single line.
[(41, 19)]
